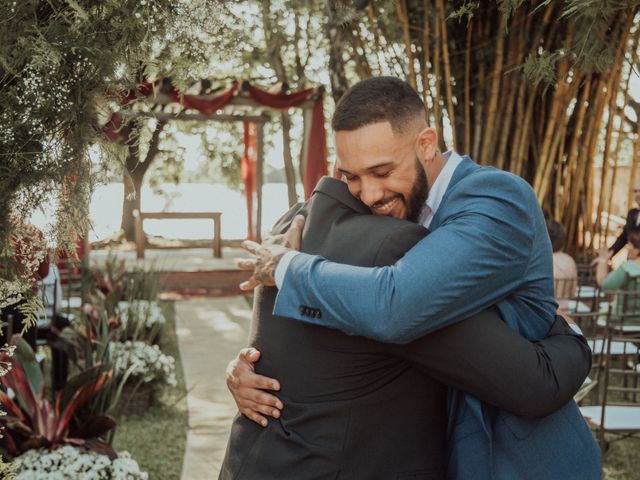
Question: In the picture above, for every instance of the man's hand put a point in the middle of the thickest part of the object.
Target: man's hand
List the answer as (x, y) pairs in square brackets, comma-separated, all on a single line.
[(267, 256), (247, 387)]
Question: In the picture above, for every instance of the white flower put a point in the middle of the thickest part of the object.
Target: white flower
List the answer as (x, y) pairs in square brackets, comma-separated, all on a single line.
[(141, 311), (71, 463), (147, 362)]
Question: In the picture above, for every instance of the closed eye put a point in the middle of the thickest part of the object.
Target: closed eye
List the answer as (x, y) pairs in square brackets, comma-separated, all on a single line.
[(382, 175)]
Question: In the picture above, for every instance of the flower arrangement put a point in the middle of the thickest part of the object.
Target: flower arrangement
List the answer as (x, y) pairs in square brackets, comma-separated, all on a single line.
[(145, 311), (143, 362), (72, 463)]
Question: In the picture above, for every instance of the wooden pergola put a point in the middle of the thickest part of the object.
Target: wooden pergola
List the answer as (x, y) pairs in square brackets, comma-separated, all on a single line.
[(203, 106)]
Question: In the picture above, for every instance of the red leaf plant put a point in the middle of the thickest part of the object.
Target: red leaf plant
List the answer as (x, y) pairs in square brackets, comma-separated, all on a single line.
[(32, 421)]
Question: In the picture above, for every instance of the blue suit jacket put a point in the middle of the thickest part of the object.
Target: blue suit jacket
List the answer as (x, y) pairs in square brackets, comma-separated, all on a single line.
[(488, 245)]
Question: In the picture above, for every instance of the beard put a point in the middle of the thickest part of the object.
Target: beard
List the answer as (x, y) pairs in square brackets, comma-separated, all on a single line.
[(418, 195)]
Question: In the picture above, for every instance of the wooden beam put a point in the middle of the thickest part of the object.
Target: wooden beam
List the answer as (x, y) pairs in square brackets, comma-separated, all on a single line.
[(240, 100), (140, 217), (199, 116), (162, 215)]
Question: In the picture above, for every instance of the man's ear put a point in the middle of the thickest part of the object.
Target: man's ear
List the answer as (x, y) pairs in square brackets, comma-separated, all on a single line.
[(427, 144)]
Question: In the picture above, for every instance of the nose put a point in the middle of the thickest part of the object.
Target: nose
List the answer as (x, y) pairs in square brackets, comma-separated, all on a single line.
[(370, 192)]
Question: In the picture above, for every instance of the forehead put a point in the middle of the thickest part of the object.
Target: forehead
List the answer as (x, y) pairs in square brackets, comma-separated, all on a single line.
[(371, 145)]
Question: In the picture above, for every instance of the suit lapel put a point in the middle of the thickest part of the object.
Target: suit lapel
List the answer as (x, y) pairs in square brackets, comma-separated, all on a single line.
[(466, 167)]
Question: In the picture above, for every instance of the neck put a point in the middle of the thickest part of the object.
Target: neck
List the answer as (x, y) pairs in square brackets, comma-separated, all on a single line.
[(435, 167)]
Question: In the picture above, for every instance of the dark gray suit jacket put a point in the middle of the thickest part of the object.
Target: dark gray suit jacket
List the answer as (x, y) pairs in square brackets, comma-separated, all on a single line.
[(359, 409), (621, 241)]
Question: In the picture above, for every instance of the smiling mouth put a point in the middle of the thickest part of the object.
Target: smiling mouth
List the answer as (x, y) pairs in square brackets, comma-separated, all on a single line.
[(385, 208)]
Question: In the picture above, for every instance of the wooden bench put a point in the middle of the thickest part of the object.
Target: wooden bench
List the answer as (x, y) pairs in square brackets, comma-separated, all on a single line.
[(140, 217)]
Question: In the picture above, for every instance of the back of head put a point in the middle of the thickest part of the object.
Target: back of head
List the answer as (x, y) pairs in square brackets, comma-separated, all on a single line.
[(557, 235), (633, 235), (378, 99)]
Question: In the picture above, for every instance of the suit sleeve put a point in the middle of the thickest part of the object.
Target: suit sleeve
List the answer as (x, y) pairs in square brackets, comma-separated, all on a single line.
[(486, 358), (473, 260), (621, 241)]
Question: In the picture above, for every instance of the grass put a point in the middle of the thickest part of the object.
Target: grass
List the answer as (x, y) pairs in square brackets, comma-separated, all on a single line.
[(156, 439), (622, 461)]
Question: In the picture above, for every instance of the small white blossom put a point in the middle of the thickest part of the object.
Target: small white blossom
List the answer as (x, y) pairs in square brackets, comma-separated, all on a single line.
[(147, 362), (144, 311), (71, 463)]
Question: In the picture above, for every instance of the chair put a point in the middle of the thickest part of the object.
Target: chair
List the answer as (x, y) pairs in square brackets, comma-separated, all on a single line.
[(49, 322), (595, 335), (573, 296), (618, 409), (72, 280), (624, 310)]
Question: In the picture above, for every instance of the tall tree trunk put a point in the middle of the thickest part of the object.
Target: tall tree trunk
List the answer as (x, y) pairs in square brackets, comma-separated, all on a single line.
[(275, 58), (131, 202), (134, 176), (337, 75)]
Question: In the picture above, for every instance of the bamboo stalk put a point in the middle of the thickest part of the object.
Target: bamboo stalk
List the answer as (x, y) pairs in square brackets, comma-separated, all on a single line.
[(634, 170), (560, 123), (490, 119), (403, 17), (373, 22), (447, 70), (506, 135), (616, 154), (467, 90), (426, 73), (621, 133), (572, 154), (436, 71), (557, 114), (611, 97)]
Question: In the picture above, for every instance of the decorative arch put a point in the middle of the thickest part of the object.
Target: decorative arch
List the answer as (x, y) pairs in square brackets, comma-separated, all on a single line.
[(209, 107)]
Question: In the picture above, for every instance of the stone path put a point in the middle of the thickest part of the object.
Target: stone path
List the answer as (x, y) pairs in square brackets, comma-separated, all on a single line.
[(210, 332)]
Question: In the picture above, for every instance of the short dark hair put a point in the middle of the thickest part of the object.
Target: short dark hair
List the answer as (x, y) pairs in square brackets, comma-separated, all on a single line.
[(378, 99), (633, 235), (557, 235)]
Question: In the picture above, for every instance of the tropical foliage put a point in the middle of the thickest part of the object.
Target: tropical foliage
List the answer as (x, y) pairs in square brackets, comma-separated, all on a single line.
[(34, 422)]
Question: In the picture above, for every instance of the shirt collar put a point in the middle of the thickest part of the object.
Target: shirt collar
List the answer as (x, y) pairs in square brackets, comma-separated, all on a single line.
[(439, 187)]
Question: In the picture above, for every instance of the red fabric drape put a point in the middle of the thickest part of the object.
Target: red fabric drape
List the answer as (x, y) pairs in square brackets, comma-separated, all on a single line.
[(317, 150), (248, 172), (209, 106), (112, 128), (317, 146)]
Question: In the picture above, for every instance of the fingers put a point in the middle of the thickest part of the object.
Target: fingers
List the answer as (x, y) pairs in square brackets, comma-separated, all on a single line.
[(249, 284), (246, 263), (256, 417), (251, 246), (250, 354), (294, 234)]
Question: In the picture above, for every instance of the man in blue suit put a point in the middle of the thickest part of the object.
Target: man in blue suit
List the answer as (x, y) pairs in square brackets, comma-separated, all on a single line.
[(488, 246)]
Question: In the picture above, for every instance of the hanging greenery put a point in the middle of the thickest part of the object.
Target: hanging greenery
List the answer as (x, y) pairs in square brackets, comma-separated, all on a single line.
[(63, 65)]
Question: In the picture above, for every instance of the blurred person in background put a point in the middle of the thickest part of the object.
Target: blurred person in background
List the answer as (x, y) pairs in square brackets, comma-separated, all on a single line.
[(565, 270)]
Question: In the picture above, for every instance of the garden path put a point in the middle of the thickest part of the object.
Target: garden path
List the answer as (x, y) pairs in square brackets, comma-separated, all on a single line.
[(210, 332)]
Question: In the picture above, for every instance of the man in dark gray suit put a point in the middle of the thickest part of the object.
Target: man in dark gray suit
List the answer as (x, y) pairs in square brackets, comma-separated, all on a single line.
[(359, 409)]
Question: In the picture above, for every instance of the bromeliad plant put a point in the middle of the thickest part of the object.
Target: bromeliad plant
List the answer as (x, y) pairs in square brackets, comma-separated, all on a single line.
[(32, 421)]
